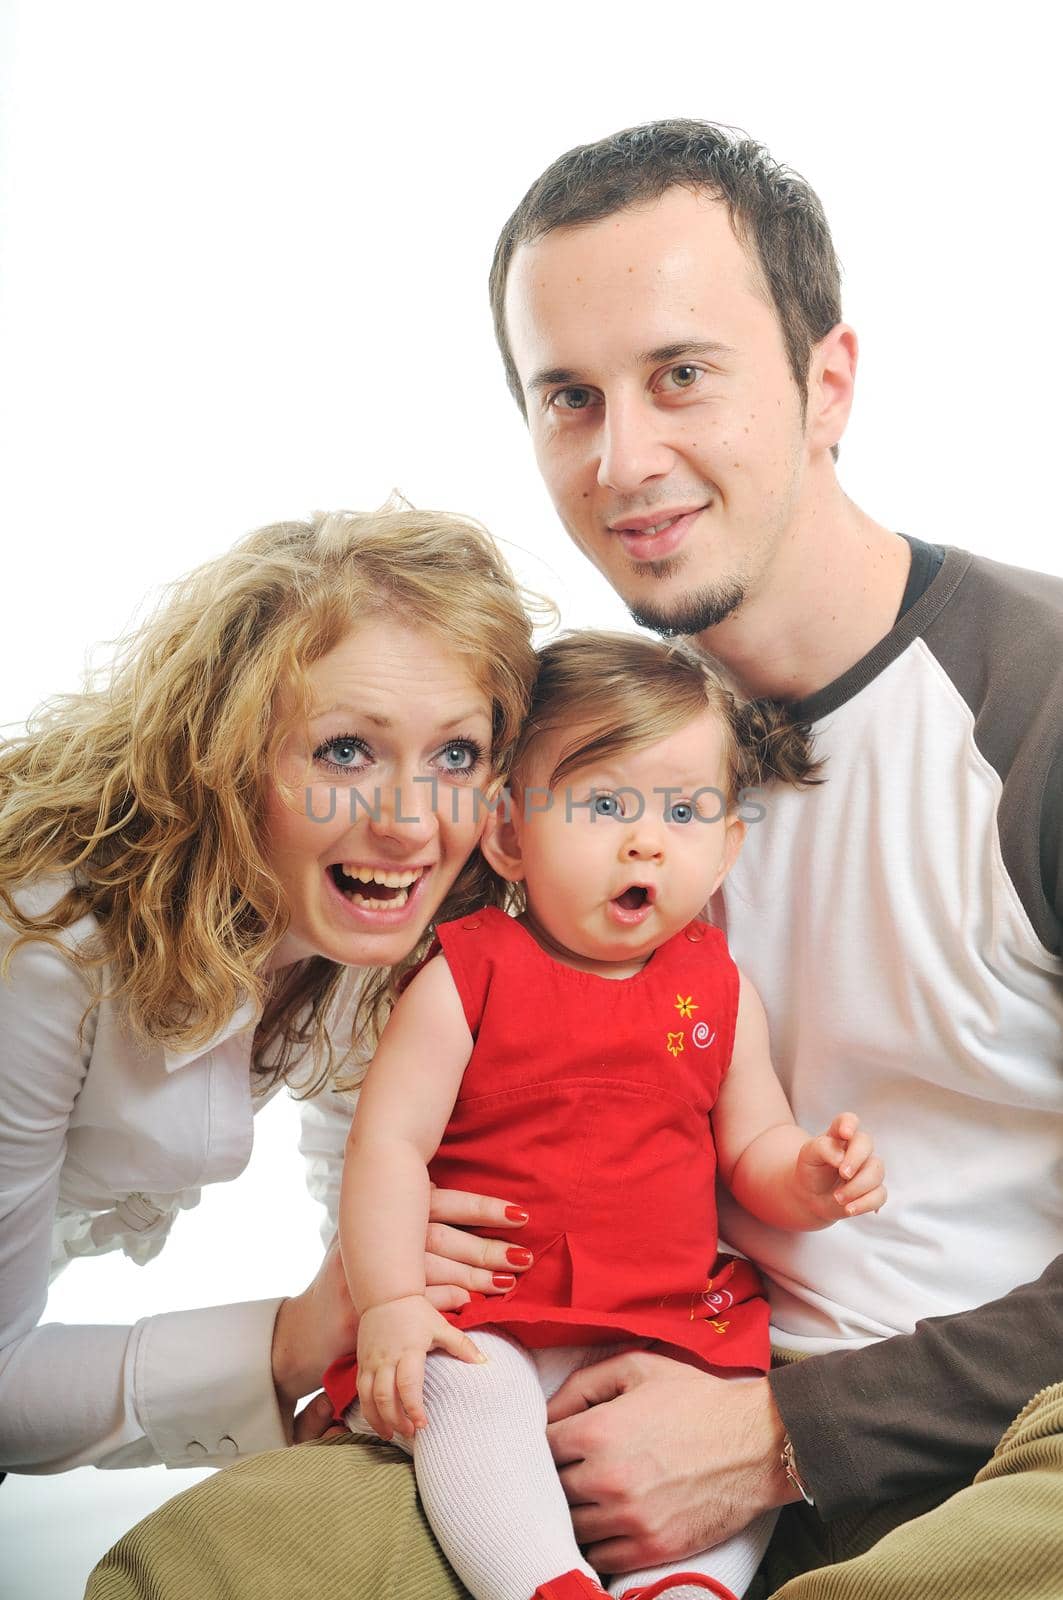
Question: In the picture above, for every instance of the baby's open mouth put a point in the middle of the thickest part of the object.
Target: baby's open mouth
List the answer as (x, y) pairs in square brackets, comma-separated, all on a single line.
[(373, 886), (635, 898)]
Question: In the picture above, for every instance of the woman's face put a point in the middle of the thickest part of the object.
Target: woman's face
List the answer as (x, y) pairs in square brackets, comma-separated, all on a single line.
[(386, 803)]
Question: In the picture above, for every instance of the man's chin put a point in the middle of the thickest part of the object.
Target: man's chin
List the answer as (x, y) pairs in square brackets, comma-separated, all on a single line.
[(690, 614)]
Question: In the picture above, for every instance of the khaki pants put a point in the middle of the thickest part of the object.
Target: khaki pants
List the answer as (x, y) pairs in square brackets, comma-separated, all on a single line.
[(341, 1519)]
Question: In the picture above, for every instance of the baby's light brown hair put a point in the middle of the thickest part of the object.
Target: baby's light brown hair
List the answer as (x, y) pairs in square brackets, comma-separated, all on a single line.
[(622, 692)]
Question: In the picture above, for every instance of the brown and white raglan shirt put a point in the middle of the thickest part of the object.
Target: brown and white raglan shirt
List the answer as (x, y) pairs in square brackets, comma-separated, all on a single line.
[(903, 923)]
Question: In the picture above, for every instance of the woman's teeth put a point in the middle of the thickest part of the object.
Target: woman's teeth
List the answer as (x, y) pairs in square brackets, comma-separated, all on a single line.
[(399, 898), (392, 880), (354, 881)]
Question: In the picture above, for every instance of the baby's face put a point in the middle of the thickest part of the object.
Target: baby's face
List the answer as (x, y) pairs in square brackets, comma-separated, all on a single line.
[(630, 848)]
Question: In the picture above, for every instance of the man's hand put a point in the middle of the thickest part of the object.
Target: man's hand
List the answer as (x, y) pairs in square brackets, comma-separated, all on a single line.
[(838, 1174), (659, 1460), (393, 1340)]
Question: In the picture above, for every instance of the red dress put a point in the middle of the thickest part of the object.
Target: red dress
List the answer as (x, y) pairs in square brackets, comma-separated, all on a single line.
[(587, 1099)]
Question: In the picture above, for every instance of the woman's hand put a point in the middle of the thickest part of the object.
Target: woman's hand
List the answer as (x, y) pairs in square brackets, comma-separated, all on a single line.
[(456, 1261), (315, 1328)]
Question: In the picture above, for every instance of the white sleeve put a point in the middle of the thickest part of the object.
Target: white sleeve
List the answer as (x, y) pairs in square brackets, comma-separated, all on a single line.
[(324, 1121), (325, 1117), (190, 1388)]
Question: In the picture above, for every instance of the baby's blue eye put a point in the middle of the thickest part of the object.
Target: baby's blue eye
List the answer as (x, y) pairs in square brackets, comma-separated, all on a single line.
[(606, 805), (682, 811)]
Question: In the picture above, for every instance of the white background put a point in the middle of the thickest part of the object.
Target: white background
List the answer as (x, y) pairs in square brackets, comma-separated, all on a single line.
[(243, 258)]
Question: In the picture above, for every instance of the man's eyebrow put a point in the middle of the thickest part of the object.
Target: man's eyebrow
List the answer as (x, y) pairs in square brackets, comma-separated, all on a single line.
[(549, 377), (685, 347)]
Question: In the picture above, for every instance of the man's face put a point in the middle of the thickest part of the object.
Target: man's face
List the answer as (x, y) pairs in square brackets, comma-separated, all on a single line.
[(664, 415)]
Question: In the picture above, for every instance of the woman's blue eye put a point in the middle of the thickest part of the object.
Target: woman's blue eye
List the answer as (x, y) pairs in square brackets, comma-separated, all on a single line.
[(460, 757), (342, 752), (606, 805), (682, 811), (457, 757)]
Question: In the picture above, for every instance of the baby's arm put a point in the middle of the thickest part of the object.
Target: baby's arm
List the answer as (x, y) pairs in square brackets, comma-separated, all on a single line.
[(772, 1167), (403, 1107)]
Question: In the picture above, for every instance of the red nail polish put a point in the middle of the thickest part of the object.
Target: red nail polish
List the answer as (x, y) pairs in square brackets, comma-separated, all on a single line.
[(519, 1257), (515, 1214), (504, 1280)]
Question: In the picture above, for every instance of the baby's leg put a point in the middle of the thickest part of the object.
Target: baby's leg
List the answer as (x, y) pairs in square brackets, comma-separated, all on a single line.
[(486, 1477), (732, 1563)]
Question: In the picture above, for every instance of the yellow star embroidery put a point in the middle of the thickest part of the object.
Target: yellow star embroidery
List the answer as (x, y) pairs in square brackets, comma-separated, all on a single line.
[(675, 1043), (686, 1008)]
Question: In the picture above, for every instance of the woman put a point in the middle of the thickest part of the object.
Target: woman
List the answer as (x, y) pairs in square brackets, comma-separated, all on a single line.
[(280, 780)]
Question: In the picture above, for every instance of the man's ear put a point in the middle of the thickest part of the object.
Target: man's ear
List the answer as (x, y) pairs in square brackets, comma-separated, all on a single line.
[(736, 833), (500, 842), (831, 381)]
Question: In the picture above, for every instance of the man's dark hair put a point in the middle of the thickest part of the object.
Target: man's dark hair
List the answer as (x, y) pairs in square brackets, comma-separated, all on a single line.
[(774, 213)]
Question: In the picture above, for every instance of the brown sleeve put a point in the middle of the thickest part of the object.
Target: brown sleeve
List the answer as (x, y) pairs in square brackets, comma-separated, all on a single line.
[(925, 1408)]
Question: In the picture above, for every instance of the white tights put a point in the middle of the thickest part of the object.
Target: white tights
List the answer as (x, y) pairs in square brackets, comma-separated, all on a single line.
[(491, 1492)]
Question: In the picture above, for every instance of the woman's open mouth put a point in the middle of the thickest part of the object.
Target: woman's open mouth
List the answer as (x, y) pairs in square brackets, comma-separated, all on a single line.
[(374, 888)]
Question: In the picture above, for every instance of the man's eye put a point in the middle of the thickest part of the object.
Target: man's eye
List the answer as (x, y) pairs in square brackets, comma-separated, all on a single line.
[(574, 399), (682, 811), (606, 805), (683, 377)]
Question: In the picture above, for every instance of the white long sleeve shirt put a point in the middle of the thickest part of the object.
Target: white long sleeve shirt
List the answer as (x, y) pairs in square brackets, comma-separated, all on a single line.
[(101, 1143)]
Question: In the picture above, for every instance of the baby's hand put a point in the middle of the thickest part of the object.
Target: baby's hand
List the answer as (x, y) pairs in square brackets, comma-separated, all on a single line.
[(844, 1152), (393, 1340)]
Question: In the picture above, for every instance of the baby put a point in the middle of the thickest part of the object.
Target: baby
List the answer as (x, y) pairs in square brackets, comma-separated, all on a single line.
[(599, 1055)]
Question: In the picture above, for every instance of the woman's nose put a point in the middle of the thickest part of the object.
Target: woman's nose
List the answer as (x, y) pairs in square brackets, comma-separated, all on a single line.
[(404, 810)]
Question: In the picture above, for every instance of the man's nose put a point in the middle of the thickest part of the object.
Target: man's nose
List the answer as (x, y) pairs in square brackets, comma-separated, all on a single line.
[(632, 450)]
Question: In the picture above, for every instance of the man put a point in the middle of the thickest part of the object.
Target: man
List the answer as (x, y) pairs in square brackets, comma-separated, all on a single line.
[(667, 307)]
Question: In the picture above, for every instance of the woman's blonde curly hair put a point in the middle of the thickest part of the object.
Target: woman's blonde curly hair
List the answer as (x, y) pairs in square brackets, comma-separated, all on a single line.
[(149, 788)]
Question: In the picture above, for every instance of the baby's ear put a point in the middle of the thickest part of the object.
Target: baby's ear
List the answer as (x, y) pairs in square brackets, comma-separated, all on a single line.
[(736, 833), (500, 841)]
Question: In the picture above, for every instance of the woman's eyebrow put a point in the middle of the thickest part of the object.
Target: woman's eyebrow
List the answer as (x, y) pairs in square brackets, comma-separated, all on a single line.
[(465, 716), (360, 714)]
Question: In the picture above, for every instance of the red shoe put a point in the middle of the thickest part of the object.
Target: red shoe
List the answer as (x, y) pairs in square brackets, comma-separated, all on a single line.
[(570, 1586), (696, 1580)]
